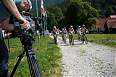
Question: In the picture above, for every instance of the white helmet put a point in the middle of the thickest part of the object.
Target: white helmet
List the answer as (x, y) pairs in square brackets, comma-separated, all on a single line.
[(83, 25), (71, 26)]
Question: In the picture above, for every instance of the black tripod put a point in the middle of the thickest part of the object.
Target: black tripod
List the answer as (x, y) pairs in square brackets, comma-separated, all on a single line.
[(26, 39)]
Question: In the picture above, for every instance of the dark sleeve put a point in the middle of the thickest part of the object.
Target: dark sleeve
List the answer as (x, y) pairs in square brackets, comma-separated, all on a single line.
[(5, 13)]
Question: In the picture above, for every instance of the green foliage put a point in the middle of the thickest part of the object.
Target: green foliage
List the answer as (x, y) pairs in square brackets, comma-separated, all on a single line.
[(89, 14), (106, 7), (51, 20), (79, 12), (47, 54), (57, 12), (55, 15), (72, 13)]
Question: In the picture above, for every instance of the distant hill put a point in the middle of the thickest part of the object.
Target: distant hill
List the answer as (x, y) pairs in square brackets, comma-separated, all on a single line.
[(52, 2), (47, 3)]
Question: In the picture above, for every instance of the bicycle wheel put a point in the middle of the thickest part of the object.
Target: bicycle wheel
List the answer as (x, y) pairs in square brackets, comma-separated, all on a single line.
[(86, 41), (82, 38), (64, 39), (55, 39), (70, 39)]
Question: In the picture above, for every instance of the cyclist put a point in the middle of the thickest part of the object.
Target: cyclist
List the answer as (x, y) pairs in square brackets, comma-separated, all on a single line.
[(64, 34), (55, 32), (79, 32), (71, 32), (84, 30)]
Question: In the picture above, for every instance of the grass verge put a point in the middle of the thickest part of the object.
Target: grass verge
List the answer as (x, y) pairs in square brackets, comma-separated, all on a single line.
[(47, 53), (104, 39)]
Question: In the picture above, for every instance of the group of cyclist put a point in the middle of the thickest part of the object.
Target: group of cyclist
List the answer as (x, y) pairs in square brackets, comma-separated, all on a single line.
[(69, 33)]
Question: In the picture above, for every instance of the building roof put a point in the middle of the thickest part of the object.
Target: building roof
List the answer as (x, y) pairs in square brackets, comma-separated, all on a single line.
[(112, 16), (100, 23), (111, 22)]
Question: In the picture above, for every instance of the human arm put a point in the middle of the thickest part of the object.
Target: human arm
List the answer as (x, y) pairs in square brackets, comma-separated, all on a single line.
[(12, 8), (10, 4)]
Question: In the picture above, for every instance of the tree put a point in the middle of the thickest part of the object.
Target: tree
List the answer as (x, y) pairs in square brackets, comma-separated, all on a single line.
[(105, 7), (56, 15), (89, 14), (72, 13), (79, 12), (51, 20)]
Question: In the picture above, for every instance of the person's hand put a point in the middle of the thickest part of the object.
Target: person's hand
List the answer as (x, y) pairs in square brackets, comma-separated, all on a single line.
[(25, 23)]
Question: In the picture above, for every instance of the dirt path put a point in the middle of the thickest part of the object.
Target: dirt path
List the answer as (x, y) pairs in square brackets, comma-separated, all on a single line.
[(89, 60)]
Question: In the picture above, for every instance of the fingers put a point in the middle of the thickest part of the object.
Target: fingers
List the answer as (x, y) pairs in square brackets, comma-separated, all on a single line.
[(26, 24)]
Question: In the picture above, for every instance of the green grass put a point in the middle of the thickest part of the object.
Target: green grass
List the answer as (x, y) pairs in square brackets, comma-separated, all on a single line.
[(104, 39), (48, 56)]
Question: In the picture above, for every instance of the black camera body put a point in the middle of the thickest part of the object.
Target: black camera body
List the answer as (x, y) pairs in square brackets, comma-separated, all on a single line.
[(26, 36), (17, 23)]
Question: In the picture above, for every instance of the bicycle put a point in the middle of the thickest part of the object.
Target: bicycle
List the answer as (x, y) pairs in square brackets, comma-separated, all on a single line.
[(64, 38), (84, 38), (71, 39), (55, 38)]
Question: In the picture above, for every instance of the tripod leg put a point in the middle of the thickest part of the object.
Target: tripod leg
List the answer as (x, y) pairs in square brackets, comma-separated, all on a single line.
[(33, 65), (17, 63)]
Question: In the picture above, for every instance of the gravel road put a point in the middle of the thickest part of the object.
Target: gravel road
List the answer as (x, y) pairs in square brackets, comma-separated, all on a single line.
[(87, 60)]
